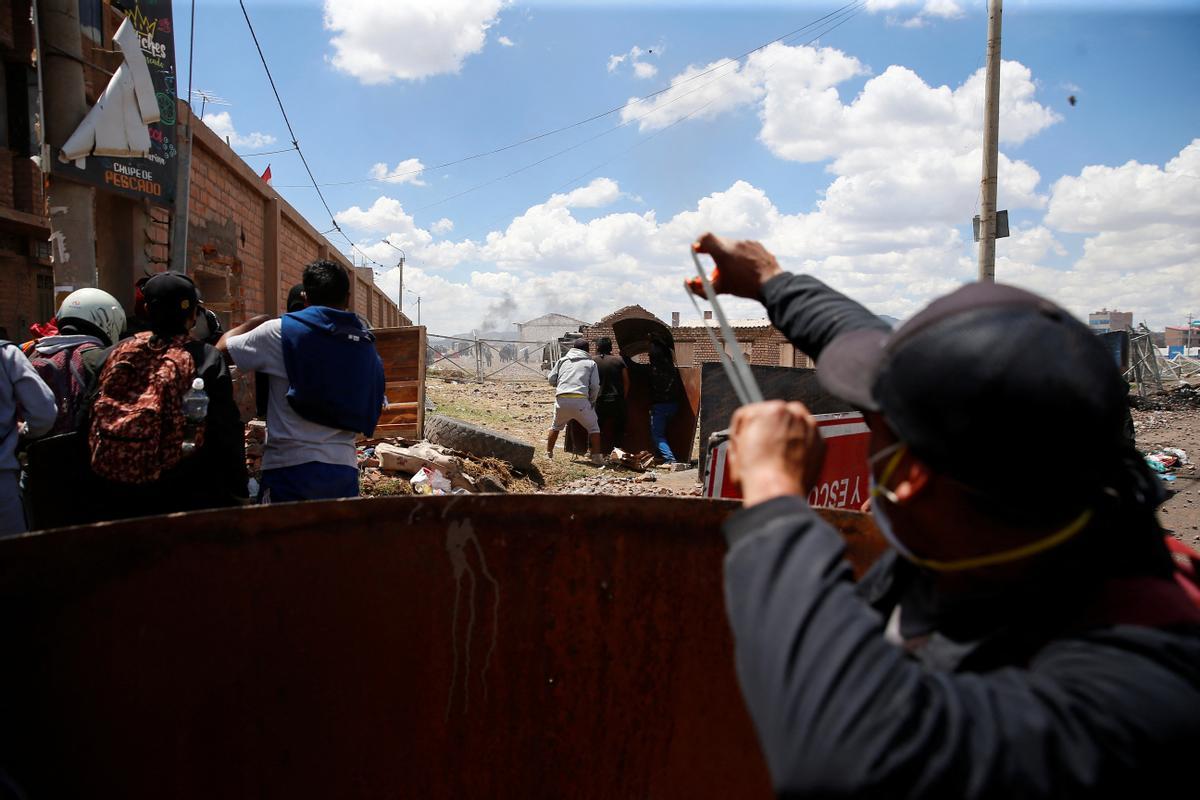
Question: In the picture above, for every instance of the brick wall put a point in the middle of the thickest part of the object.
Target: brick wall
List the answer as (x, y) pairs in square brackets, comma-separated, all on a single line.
[(229, 222), (296, 251), (18, 294), (23, 223), (6, 178)]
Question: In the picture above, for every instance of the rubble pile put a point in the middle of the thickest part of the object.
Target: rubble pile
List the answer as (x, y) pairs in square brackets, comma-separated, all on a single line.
[(402, 466), (1145, 421), (638, 462), (256, 434), (1182, 398)]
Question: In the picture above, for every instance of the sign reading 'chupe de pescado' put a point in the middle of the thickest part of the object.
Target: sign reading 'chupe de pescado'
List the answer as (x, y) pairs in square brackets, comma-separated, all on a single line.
[(127, 144)]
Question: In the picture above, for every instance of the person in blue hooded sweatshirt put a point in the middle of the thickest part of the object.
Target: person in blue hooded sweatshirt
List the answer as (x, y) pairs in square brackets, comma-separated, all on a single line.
[(326, 386)]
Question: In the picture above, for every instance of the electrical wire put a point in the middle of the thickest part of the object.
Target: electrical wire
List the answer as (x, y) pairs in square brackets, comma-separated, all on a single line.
[(295, 141), (266, 153), (851, 8), (846, 12), (191, 52), (590, 139), (845, 18)]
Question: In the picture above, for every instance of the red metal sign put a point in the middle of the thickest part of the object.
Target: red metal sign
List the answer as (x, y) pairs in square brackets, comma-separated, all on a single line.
[(843, 482)]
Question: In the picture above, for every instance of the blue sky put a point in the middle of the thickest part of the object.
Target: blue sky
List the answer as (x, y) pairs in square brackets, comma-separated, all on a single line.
[(853, 156)]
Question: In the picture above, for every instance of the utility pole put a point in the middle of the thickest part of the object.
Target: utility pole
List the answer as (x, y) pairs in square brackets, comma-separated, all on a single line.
[(399, 266), (72, 205), (183, 186), (991, 131)]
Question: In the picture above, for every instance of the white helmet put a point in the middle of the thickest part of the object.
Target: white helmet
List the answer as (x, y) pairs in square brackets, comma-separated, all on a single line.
[(97, 307)]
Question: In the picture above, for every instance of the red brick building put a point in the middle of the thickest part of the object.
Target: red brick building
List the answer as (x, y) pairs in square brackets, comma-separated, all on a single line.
[(246, 245), (758, 339), (26, 274), (1181, 336)]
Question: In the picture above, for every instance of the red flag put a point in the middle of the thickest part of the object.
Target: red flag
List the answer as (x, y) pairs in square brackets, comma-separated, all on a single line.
[(266, 176)]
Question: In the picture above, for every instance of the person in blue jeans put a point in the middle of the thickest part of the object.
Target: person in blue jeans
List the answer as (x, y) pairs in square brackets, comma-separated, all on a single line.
[(664, 395), (326, 385)]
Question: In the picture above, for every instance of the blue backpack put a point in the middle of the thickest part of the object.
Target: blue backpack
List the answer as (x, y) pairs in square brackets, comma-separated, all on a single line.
[(335, 374)]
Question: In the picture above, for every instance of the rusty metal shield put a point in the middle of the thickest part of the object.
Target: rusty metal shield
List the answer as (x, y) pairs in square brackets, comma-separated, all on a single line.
[(477, 646)]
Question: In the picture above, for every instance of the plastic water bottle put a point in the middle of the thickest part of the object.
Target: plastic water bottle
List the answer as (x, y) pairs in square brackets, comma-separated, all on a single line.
[(195, 409)]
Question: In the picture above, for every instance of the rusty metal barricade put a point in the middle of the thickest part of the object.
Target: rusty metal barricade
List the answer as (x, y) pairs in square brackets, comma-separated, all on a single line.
[(479, 646)]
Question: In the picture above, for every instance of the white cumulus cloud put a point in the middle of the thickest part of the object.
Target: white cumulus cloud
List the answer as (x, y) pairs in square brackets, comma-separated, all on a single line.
[(1130, 196), (644, 69), (506, 42), (929, 9), (221, 124), (385, 214), (901, 150), (443, 225), (407, 171), (903, 162), (600, 192), (636, 57), (379, 41)]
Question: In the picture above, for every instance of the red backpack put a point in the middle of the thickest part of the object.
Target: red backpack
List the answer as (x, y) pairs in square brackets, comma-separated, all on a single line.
[(64, 373), (137, 428)]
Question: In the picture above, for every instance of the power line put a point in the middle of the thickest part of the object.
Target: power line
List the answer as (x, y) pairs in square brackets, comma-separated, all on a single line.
[(590, 139), (852, 7), (191, 52), (292, 134), (845, 18), (266, 152)]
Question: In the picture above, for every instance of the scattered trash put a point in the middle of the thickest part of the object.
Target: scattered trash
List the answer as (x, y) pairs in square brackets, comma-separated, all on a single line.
[(1161, 461), (431, 481), (1178, 453), (412, 459), (1166, 460)]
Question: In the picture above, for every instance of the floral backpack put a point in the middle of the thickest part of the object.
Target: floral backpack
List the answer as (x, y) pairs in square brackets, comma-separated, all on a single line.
[(137, 422)]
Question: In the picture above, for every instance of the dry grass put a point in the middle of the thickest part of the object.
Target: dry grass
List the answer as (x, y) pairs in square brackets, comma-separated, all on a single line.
[(522, 410)]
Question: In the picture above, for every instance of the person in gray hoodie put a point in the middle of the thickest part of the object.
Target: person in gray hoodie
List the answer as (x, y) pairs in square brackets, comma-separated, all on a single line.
[(23, 395), (578, 385)]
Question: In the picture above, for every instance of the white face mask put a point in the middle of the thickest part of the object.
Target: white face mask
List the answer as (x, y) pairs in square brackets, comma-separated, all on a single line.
[(882, 493)]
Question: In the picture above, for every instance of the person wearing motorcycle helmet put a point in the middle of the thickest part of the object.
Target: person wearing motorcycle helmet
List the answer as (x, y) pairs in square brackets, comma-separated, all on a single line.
[(94, 313), (89, 322)]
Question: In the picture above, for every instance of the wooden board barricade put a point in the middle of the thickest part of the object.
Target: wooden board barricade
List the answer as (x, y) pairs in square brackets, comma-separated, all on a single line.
[(403, 354)]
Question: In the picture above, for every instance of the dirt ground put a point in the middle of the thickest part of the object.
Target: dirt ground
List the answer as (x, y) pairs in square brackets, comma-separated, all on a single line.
[(1175, 427), (524, 410)]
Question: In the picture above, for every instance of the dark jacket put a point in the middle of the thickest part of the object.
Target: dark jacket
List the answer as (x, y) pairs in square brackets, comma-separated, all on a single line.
[(214, 477), (335, 373), (1020, 695)]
